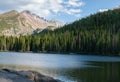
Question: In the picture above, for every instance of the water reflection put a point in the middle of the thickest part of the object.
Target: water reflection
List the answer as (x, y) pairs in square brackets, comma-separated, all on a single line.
[(103, 72), (68, 68), (106, 72)]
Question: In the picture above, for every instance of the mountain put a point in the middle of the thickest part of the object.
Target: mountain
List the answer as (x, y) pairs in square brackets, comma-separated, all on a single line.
[(24, 23), (97, 34)]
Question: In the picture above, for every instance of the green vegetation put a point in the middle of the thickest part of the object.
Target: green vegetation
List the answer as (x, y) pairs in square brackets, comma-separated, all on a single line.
[(96, 34)]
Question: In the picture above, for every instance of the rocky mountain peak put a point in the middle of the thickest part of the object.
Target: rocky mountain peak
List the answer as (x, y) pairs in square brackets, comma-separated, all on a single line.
[(23, 23), (26, 11), (10, 13), (13, 11), (56, 22), (33, 15)]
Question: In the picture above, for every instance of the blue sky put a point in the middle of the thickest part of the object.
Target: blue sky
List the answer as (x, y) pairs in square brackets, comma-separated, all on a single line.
[(63, 10), (91, 7)]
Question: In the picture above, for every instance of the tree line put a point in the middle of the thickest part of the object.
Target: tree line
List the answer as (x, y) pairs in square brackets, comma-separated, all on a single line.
[(96, 34)]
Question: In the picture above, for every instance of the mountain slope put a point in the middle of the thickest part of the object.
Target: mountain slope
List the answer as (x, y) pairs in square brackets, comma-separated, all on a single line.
[(102, 20), (23, 23), (95, 34)]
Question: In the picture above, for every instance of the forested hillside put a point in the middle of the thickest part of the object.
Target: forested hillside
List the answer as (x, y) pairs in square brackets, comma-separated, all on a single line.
[(95, 34)]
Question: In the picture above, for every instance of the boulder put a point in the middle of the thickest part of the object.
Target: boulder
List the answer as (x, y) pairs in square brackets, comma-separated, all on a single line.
[(7, 75)]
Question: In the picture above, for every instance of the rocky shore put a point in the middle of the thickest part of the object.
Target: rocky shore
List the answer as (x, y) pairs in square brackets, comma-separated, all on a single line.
[(8, 75)]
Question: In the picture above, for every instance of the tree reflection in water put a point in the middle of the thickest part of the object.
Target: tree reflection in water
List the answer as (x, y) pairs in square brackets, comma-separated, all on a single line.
[(103, 72)]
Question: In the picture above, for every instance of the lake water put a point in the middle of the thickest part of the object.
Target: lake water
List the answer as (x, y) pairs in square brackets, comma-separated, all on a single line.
[(66, 67)]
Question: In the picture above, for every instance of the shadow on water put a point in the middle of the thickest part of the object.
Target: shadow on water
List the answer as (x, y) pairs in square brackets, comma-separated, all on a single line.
[(103, 72), (68, 68), (98, 72)]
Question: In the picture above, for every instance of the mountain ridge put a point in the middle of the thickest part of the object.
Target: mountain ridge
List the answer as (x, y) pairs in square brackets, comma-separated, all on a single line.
[(24, 23)]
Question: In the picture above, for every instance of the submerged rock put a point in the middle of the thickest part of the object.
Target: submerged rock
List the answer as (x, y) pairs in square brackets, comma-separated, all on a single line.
[(7, 75)]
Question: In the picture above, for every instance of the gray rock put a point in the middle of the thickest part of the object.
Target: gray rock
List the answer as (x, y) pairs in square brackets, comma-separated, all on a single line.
[(7, 75)]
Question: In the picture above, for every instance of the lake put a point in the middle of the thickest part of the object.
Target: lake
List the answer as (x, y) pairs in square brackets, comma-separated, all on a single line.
[(66, 67)]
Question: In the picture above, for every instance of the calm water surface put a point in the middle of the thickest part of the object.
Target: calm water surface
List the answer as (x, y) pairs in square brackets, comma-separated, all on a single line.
[(66, 67)]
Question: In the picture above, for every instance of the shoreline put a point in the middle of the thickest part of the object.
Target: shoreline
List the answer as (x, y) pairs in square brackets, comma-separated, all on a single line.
[(8, 75), (66, 53)]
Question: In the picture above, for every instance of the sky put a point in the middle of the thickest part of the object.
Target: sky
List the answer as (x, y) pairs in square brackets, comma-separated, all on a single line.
[(63, 10)]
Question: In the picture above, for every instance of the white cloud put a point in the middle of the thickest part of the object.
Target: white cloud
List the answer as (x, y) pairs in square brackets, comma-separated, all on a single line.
[(103, 10), (75, 12), (75, 3), (44, 8)]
